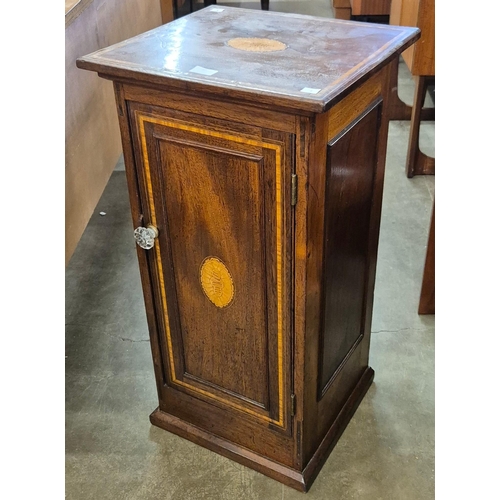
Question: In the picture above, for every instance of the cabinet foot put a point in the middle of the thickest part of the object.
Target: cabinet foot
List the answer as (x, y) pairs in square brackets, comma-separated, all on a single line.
[(244, 456), (299, 480), (337, 428)]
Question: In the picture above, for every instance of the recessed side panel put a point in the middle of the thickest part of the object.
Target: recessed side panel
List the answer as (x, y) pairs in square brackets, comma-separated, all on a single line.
[(351, 164)]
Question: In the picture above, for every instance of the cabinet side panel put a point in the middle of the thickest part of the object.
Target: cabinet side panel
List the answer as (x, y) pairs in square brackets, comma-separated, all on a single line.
[(348, 203), (318, 415)]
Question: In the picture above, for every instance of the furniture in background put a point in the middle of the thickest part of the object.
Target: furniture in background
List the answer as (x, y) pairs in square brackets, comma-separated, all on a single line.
[(167, 11), (420, 59), (184, 7), (342, 9), (427, 293), (92, 135), (367, 10), (255, 174), (370, 7)]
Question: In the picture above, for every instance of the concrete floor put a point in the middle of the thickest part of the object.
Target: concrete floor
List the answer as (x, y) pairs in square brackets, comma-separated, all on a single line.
[(112, 451)]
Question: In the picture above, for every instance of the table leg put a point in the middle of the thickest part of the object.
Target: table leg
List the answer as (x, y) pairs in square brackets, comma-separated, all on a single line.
[(427, 293), (342, 13), (418, 163), (399, 110)]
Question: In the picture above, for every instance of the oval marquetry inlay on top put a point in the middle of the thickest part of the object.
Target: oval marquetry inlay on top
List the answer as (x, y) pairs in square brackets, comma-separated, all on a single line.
[(256, 44), (216, 282)]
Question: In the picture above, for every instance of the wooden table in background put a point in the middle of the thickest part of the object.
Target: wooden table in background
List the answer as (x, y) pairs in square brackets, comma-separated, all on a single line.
[(420, 59), (180, 8), (427, 292), (370, 7), (255, 170), (346, 9), (167, 11)]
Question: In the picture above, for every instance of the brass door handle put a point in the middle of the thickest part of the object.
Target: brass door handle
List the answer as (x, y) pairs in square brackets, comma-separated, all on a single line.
[(145, 236)]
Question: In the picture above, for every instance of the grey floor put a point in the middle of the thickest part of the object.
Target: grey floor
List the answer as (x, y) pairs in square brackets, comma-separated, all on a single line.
[(112, 451)]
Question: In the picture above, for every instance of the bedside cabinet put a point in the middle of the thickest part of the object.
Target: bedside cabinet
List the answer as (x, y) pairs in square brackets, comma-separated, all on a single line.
[(254, 145)]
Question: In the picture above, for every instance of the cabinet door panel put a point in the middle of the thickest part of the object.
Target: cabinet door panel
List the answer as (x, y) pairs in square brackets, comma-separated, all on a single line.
[(214, 206), (221, 262)]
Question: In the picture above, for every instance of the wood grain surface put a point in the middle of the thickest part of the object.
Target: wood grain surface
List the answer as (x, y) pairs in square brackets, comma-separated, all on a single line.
[(420, 57), (323, 58), (259, 289), (371, 7), (428, 292), (231, 364), (348, 205)]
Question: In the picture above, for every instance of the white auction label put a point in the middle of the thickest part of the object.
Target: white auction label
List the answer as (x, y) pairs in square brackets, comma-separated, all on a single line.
[(203, 71), (308, 90)]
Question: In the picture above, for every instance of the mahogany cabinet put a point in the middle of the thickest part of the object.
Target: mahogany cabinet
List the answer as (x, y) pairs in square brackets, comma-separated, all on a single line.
[(254, 145)]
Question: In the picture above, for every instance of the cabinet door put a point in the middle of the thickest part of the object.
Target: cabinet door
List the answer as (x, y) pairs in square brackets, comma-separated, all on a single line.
[(219, 195)]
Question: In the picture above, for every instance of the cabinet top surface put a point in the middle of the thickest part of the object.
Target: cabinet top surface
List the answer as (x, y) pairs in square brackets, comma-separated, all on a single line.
[(291, 60)]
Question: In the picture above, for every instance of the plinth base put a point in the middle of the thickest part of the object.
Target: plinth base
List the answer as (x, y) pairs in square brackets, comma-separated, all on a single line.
[(300, 480)]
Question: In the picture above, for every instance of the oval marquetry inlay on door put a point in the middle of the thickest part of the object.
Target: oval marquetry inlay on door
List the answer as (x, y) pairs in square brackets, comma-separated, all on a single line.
[(216, 282)]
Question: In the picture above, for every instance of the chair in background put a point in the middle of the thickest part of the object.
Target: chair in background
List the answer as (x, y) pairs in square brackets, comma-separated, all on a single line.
[(362, 10), (420, 59)]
